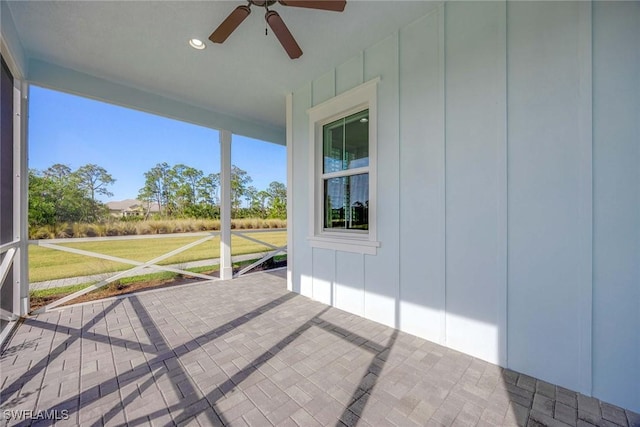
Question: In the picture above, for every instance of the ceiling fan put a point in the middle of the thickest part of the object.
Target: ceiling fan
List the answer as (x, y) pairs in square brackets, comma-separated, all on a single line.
[(274, 20)]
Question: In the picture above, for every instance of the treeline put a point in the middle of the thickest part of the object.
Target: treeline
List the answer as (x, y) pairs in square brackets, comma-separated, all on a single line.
[(185, 192), (59, 195)]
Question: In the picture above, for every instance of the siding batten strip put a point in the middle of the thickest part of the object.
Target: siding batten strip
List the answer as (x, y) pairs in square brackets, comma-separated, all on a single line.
[(585, 126), (398, 322), (502, 185), (443, 92), (442, 186)]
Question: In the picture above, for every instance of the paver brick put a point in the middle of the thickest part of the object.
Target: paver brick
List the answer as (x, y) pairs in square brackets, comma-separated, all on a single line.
[(298, 395), (543, 405), (255, 418), (589, 417), (565, 413), (519, 396), (208, 418), (326, 412), (348, 418), (589, 404), (472, 394), (546, 389), (509, 376), (304, 419), (543, 419), (613, 414), (633, 418), (492, 417), (517, 414), (567, 397), (239, 410), (283, 412)]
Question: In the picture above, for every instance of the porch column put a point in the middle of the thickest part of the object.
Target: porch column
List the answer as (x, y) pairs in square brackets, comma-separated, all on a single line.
[(20, 202), (226, 270)]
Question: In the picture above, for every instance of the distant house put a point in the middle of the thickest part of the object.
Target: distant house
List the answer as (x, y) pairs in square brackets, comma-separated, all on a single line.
[(131, 207)]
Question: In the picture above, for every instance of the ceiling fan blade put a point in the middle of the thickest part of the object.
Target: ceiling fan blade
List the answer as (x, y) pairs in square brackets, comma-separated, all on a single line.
[(227, 27), (333, 5), (283, 34)]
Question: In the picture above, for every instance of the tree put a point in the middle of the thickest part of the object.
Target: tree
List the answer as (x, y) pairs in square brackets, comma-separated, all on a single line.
[(240, 179), (57, 171), (42, 207), (61, 189), (186, 181), (208, 189), (55, 197), (157, 188), (277, 200), (255, 202), (94, 180), (261, 200)]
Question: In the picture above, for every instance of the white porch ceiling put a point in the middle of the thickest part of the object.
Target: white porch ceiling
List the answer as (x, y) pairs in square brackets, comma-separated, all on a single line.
[(143, 45)]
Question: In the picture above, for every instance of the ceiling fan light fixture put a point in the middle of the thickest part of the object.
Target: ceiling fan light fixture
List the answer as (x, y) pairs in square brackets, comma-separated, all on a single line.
[(197, 44)]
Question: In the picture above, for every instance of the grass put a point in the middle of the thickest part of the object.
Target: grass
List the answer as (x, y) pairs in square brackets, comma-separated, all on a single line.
[(49, 264), (63, 290), (39, 298)]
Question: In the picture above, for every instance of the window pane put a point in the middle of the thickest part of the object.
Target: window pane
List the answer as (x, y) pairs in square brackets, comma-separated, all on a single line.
[(346, 202), (346, 143), (333, 148)]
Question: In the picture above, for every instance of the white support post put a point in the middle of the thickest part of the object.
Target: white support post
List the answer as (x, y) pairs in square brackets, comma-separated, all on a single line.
[(289, 118), (226, 269), (21, 224), (19, 279)]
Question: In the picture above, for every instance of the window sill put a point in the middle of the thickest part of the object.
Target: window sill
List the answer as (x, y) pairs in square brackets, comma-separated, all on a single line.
[(345, 244)]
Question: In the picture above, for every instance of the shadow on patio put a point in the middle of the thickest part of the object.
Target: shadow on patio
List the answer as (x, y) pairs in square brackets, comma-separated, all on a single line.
[(247, 352)]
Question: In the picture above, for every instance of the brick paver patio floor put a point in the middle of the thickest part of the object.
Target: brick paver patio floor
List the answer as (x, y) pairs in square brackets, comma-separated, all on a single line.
[(247, 352)]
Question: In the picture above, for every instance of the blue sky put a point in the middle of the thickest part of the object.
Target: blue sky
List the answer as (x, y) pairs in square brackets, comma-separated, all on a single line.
[(76, 131)]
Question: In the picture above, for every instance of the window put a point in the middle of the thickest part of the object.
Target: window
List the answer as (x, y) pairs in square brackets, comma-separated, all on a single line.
[(346, 173), (343, 132)]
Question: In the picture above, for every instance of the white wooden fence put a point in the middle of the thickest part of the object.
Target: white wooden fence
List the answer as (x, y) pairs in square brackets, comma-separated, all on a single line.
[(56, 244)]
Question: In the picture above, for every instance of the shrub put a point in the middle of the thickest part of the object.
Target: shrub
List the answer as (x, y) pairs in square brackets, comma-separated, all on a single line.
[(159, 227), (143, 228), (128, 229), (42, 232), (156, 226), (64, 231), (95, 230)]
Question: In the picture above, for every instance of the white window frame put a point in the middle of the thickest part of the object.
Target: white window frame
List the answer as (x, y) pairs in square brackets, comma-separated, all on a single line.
[(360, 98)]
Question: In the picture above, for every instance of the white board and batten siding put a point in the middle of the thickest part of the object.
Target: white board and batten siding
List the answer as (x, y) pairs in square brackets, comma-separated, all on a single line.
[(508, 188)]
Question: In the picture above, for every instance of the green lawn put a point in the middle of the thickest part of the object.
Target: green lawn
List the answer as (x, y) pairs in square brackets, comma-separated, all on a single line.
[(48, 264)]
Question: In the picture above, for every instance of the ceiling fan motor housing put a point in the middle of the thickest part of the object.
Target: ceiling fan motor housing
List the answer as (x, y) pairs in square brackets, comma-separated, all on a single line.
[(262, 3)]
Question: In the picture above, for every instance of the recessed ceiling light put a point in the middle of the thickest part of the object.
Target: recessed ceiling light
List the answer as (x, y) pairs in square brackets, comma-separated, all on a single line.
[(197, 44)]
